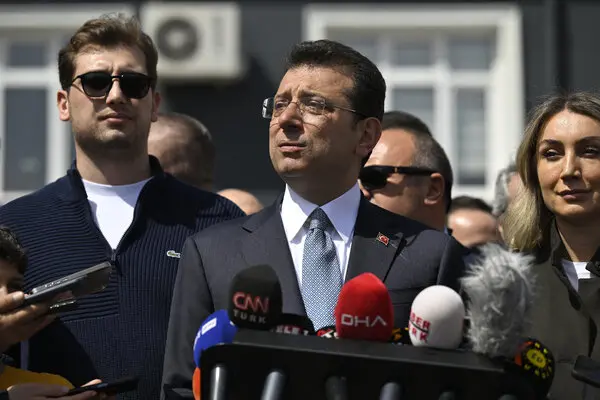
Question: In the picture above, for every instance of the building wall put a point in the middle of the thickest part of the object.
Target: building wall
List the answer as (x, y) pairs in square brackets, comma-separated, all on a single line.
[(559, 48)]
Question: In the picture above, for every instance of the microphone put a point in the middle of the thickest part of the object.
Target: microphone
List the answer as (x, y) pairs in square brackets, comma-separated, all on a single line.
[(499, 289), (400, 336), (391, 391), (294, 324), (436, 318), (535, 362), (328, 332), (289, 324), (196, 381), (216, 329), (255, 298), (364, 310)]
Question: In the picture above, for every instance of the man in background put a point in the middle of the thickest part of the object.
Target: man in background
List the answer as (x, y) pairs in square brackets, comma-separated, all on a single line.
[(472, 222), (508, 184), (244, 200), (184, 148), (408, 172)]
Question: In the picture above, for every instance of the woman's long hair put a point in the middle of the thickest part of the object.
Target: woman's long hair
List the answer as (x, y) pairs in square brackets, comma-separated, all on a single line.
[(526, 222)]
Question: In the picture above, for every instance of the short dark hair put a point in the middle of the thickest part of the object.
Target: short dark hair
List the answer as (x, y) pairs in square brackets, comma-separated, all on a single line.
[(367, 96), (469, 203), (404, 120), (109, 31), (428, 152), (11, 249), (200, 172)]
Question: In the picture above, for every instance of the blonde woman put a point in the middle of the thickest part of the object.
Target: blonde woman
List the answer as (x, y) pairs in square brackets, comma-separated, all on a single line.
[(556, 216)]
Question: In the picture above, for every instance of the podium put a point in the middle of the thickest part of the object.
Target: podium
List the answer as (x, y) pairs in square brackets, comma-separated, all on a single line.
[(307, 362)]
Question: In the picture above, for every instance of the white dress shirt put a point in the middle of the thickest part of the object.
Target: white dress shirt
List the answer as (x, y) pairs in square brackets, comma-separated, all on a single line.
[(342, 213)]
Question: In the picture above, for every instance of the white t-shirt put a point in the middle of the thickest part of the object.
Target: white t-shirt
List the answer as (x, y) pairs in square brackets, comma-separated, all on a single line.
[(575, 271), (113, 207)]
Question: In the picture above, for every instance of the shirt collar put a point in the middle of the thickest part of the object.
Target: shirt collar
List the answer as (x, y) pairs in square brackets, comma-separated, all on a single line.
[(342, 212)]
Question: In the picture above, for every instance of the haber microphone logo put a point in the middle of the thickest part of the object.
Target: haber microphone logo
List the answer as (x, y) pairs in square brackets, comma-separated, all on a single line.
[(419, 327), (367, 321)]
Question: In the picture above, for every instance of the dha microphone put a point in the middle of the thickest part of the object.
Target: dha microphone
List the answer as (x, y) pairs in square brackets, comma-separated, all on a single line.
[(436, 319), (499, 289), (294, 324), (255, 298), (216, 329), (364, 310)]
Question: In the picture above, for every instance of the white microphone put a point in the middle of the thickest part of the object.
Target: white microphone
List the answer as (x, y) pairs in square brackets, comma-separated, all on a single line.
[(437, 318), (499, 290)]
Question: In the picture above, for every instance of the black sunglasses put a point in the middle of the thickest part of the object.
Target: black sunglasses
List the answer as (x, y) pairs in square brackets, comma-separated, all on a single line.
[(375, 176), (97, 84)]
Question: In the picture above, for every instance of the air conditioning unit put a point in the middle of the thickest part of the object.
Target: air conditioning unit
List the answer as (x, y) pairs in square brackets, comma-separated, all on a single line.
[(195, 41)]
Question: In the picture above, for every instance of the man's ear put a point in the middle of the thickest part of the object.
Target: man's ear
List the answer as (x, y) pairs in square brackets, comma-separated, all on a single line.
[(370, 130), (436, 189)]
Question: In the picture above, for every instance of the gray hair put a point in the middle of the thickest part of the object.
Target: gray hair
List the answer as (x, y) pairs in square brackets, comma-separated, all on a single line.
[(500, 204)]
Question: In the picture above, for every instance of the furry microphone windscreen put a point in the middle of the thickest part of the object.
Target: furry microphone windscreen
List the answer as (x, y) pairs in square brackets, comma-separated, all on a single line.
[(499, 287)]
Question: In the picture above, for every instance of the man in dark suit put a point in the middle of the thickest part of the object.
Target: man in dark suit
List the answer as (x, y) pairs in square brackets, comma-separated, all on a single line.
[(324, 121)]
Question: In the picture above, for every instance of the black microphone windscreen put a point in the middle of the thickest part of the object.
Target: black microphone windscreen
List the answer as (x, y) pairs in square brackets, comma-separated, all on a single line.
[(255, 298)]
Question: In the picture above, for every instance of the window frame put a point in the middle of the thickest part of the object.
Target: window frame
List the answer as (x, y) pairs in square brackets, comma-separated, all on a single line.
[(50, 24), (505, 98)]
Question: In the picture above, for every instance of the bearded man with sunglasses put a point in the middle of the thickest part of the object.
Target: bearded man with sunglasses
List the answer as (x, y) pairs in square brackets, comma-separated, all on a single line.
[(115, 204), (324, 120)]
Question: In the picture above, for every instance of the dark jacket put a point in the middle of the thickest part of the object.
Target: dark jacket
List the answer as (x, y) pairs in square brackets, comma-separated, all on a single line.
[(120, 331), (566, 320), (412, 258)]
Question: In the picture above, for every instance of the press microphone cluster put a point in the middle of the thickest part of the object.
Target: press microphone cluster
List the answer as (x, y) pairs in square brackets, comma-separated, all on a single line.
[(491, 322)]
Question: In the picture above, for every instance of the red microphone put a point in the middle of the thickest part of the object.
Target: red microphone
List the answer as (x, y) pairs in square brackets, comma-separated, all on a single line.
[(364, 310)]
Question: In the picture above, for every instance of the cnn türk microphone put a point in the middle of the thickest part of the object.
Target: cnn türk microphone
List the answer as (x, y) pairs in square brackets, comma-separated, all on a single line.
[(216, 329), (255, 298), (436, 319), (293, 324), (364, 310), (499, 290)]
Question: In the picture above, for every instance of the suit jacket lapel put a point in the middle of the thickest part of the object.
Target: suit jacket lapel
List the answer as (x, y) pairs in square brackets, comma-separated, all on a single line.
[(266, 243), (375, 243)]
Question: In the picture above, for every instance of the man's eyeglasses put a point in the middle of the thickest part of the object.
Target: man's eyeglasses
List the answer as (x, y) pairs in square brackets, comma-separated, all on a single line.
[(273, 108), (97, 84), (375, 176)]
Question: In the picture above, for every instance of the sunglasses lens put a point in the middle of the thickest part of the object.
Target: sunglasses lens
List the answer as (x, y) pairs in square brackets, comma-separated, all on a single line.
[(372, 178), (96, 84), (135, 86)]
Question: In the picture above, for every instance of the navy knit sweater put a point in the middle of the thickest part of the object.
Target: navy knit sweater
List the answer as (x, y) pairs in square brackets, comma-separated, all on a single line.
[(122, 330)]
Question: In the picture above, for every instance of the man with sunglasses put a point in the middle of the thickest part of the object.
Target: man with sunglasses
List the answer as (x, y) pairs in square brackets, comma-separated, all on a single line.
[(408, 172), (324, 120), (115, 204)]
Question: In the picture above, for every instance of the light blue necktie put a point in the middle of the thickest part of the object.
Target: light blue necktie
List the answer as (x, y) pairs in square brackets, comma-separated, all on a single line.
[(321, 275)]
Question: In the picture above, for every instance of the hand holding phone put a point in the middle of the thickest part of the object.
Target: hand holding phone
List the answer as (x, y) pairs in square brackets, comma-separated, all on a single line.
[(122, 385), (20, 323), (40, 391)]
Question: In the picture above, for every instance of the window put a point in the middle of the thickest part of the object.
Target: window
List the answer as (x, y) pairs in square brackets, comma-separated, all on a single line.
[(35, 146), (458, 68)]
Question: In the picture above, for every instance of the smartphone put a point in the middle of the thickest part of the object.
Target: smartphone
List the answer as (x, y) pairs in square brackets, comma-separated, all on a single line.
[(63, 306), (90, 280), (122, 385), (587, 370)]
